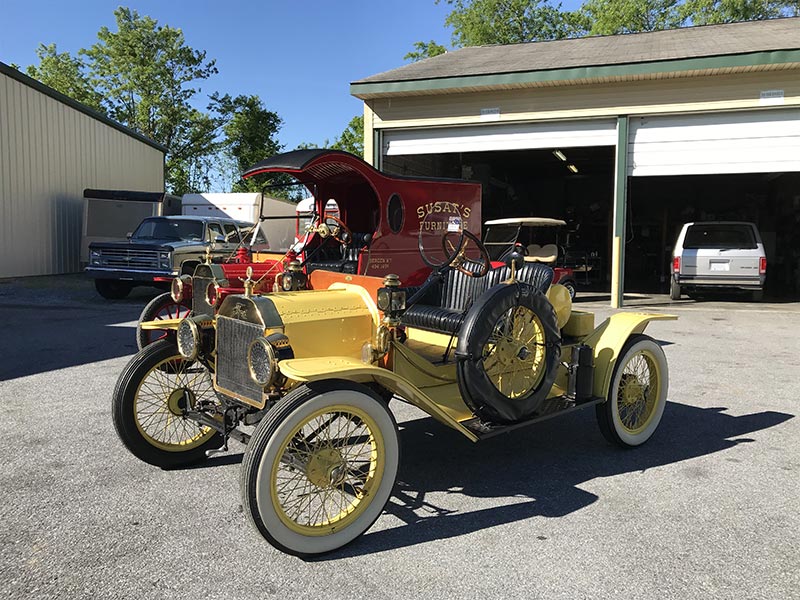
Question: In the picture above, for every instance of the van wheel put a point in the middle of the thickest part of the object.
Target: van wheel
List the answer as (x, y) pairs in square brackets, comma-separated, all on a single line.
[(674, 290)]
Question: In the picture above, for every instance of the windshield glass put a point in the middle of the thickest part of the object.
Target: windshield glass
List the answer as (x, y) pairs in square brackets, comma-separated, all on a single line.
[(169, 229), (718, 235)]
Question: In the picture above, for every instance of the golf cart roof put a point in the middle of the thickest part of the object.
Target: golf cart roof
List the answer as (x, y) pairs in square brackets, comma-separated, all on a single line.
[(527, 222)]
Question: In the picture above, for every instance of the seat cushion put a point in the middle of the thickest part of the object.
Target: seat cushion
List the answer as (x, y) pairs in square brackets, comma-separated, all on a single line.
[(434, 318)]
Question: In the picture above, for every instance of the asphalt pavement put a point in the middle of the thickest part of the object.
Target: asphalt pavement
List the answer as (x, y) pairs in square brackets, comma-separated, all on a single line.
[(708, 508)]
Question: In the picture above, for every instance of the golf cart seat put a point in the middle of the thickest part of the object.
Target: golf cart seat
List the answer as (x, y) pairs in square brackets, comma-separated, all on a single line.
[(542, 254), (444, 306)]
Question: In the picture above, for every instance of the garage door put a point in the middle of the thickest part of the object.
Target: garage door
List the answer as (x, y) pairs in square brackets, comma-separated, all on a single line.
[(483, 138), (766, 141)]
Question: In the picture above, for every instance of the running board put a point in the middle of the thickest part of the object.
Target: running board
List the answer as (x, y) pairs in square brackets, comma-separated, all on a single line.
[(552, 407)]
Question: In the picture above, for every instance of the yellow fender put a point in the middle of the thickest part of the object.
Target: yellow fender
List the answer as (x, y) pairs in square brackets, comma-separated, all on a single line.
[(609, 338), (343, 367)]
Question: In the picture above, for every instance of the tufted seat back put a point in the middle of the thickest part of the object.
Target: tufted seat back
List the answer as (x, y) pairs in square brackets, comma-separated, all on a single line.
[(444, 308)]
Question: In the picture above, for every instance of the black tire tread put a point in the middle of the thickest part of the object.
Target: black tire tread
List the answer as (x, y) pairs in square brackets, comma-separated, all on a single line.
[(124, 420)]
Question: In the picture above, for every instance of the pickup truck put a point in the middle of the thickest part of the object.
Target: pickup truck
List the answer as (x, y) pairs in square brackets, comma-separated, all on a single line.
[(160, 249)]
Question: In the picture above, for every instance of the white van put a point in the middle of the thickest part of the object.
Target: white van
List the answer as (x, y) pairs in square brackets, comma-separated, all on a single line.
[(718, 255)]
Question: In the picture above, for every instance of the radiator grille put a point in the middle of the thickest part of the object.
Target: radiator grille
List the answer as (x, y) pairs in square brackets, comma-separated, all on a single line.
[(233, 375), (129, 259), (199, 304)]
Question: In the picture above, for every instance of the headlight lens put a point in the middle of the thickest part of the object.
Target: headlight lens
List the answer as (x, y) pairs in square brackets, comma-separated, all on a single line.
[(165, 260), (94, 257), (188, 339), (286, 282), (179, 287), (383, 299), (212, 293), (262, 362)]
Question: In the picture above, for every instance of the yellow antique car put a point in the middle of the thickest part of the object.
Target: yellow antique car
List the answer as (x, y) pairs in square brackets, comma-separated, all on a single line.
[(481, 347)]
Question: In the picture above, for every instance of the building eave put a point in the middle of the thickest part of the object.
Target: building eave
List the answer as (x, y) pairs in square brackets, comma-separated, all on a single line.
[(690, 67)]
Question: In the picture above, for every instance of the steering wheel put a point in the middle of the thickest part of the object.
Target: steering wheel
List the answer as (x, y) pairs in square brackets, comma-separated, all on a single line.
[(459, 254), (340, 232)]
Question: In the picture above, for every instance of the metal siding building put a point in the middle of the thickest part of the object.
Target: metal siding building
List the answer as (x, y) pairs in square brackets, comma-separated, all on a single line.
[(717, 102), (51, 149)]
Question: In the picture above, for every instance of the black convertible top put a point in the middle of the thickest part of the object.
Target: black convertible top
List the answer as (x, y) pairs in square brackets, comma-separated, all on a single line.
[(297, 160)]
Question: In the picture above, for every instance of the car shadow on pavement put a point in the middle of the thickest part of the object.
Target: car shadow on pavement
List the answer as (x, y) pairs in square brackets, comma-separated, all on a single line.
[(539, 469)]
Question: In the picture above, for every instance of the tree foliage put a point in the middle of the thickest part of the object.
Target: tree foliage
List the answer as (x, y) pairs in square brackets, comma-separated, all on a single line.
[(481, 22), (423, 50), (610, 17), (250, 133), (352, 138), (484, 22), (65, 73), (145, 76)]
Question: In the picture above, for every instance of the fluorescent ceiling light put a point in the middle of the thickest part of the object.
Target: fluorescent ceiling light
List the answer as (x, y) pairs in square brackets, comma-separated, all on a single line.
[(572, 168), (560, 155)]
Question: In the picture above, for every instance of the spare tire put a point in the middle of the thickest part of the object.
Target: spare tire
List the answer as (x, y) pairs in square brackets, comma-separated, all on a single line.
[(508, 353)]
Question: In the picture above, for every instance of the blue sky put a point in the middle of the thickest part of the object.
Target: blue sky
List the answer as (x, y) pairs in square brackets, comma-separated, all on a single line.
[(299, 57)]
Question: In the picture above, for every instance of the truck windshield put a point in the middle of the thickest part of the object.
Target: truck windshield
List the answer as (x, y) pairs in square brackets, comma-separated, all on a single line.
[(719, 235), (169, 229)]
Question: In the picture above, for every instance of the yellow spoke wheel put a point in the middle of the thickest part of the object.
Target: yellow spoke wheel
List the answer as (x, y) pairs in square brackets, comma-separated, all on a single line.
[(320, 467), (637, 395), (152, 394)]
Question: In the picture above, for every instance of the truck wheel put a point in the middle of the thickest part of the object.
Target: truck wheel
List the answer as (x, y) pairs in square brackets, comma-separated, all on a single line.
[(674, 290), (638, 393), (159, 308), (110, 289), (508, 352), (151, 394), (320, 467)]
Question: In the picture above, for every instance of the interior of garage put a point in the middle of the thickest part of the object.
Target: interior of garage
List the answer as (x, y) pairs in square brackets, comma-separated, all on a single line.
[(539, 183), (658, 207)]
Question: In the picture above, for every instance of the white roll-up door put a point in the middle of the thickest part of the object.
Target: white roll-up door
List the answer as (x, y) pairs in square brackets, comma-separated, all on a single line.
[(766, 141), (484, 138)]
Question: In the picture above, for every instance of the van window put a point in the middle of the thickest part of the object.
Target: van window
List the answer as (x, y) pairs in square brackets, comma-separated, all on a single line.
[(719, 235)]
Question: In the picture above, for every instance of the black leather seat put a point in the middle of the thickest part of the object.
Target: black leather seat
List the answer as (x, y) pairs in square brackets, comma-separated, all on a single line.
[(444, 306), (335, 257)]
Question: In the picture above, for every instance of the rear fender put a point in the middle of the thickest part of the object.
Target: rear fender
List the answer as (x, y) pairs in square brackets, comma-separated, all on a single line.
[(609, 339), (343, 367)]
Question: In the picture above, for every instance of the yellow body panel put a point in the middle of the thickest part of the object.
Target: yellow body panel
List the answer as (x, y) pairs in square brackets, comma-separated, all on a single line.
[(343, 367), (609, 339), (325, 322), (580, 323)]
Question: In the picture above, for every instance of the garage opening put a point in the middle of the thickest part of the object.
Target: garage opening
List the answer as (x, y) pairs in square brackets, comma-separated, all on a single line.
[(659, 206), (538, 183)]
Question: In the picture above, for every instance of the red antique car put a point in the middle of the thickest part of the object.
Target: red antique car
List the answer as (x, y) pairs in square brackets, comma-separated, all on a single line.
[(385, 224)]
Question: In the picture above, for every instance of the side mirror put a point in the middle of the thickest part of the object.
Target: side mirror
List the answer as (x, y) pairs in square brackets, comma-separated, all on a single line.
[(220, 239), (129, 235)]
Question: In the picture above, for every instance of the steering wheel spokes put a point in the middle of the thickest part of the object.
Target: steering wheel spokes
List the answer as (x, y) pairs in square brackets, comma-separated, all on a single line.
[(470, 251)]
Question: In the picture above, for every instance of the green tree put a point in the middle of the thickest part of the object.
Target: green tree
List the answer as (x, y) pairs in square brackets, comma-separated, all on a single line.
[(707, 12), (66, 74), (250, 131), (423, 50), (609, 17), (483, 22), (147, 75), (352, 138)]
